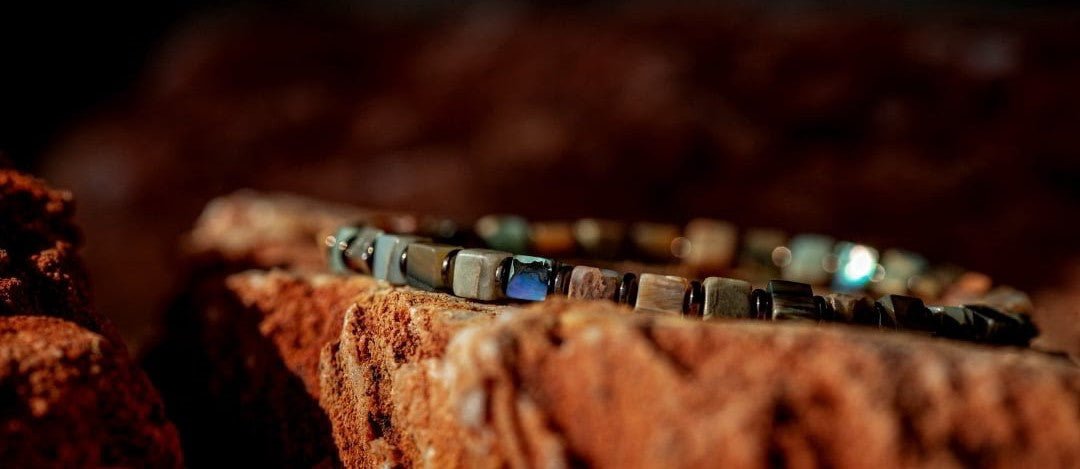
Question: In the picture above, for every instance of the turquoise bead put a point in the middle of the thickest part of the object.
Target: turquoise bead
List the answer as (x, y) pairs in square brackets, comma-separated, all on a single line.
[(528, 278), (855, 267), (335, 248)]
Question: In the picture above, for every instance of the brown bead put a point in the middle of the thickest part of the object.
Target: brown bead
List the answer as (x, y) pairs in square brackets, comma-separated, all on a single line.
[(661, 293), (592, 283)]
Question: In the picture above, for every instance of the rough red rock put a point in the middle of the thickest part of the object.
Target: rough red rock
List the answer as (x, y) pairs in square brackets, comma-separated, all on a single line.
[(416, 378), (69, 394), (71, 398)]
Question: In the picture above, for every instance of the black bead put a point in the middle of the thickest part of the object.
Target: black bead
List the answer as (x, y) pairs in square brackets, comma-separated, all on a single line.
[(997, 327), (792, 300), (560, 283), (761, 304), (694, 302), (907, 313), (825, 310), (627, 292)]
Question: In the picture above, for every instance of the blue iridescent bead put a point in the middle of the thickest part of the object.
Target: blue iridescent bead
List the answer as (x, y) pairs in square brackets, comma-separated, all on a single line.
[(528, 277)]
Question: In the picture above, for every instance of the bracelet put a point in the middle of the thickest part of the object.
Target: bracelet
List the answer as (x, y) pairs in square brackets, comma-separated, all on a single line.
[(487, 274)]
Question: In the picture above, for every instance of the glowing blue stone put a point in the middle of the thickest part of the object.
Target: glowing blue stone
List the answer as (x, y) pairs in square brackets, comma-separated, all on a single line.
[(528, 278), (855, 267)]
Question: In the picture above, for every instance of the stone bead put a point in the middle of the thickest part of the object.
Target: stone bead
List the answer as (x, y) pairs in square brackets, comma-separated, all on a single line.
[(851, 308), (476, 274), (900, 268), (726, 298), (429, 265), (336, 245), (387, 264), (792, 300), (504, 233), (856, 265), (653, 241), (627, 293), (808, 255), (555, 239), (529, 278), (360, 254), (602, 239), (661, 293), (908, 313), (993, 326), (954, 322), (711, 244), (591, 283)]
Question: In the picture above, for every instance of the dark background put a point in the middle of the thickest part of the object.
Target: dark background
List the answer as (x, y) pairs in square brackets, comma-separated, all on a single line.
[(950, 130)]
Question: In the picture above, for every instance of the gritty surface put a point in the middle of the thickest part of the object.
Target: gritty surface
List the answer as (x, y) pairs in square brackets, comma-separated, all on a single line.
[(410, 378)]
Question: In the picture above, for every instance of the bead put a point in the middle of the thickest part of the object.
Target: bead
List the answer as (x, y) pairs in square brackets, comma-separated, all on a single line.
[(555, 239), (967, 288), (954, 322), (900, 267), (591, 283), (602, 239), (389, 250), (529, 278), (336, 246), (726, 298), (908, 313), (661, 293), (1009, 300), (851, 308), (856, 265), (654, 241), (758, 248), (761, 304), (504, 233), (476, 274), (711, 244), (429, 265), (808, 255), (996, 327), (792, 300), (695, 300), (361, 252), (562, 279), (627, 293)]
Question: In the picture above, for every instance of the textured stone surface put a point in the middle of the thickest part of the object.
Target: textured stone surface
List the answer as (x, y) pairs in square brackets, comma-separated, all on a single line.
[(661, 293), (426, 379), (726, 298), (72, 398), (591, 283), (476, 274), (69, 394)]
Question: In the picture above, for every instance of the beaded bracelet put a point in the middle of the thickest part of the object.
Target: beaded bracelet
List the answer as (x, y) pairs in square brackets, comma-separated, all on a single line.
[(490, 274)]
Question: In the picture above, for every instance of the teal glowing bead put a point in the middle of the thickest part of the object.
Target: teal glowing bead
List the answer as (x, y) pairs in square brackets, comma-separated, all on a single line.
[(856, 265), (529, 277), (336, 245), (504, 233)]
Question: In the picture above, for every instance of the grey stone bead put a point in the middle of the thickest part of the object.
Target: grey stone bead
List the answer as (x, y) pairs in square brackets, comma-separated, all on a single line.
[(476, 274), (359, 256), (907, 313), (726, 298), (336, 246), (850, 308), (387, 264), (428, 265), (792, 300)]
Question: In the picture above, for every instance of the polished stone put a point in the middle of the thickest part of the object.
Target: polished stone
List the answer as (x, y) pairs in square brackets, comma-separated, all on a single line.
[(360, 254), (711, 244), (429, 265), (792, 301), (336, 245), (591, 283), (387, 264), (808, 255), (726, 298), (907, 313), (851, 308), (529, 278), (476, 274), (997, 327), (661, 293), (504, 233)]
